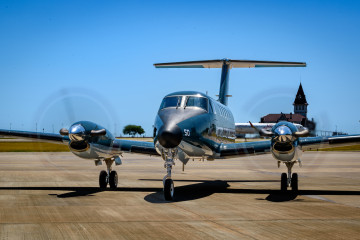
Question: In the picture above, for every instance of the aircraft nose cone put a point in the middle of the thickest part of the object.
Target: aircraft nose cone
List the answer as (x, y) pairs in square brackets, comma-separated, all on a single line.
[(169, 136)]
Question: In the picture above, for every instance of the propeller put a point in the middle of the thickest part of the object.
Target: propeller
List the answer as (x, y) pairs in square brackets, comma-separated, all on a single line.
[(262, 132), (68, 105)]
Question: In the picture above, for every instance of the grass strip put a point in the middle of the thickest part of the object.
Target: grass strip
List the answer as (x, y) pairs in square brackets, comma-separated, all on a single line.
[(342, 149), (32, 147)]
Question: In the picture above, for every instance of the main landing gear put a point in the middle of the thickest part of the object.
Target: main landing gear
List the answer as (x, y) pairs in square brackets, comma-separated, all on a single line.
[(169, 188), (108, 177), (289, 180)]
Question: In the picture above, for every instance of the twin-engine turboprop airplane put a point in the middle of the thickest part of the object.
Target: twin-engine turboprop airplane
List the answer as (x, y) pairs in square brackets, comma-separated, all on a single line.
[(191, 125)]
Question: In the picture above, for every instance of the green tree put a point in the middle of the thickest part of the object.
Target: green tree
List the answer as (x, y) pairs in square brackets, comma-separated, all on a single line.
[(133, 130)]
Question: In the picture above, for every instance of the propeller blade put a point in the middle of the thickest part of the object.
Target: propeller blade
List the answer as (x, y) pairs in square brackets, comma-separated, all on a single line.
[(262, 132), (100, 132), (68, 100), (265, 133), (253, 126), (303, 133)]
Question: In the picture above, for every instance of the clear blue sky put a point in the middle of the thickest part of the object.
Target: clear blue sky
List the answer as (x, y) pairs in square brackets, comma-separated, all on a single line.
[(63, 61)]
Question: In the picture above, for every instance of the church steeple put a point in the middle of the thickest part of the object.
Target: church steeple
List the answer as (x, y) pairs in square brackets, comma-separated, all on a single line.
[(300, 103)]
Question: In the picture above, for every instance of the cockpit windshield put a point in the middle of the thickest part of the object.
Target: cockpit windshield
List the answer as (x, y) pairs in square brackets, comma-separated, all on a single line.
[(197, 102), (185, 102), (170, 102)]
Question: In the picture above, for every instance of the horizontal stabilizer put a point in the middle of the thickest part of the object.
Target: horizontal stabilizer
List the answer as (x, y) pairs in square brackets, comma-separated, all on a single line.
[(233, 64)]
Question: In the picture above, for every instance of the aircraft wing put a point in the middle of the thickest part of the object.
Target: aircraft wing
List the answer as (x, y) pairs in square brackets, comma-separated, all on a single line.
[(48, 137), (139, 147), (120, 145), (309, 143), (244, 149)]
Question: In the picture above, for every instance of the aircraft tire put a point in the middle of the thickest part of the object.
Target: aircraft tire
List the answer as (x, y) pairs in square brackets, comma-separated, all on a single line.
[(169, 189), (283, 182), (103, 179), (294, 182), (113, 180)]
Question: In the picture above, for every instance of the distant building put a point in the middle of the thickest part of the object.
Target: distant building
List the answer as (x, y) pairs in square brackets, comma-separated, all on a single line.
[(300, 103), (299, 116)]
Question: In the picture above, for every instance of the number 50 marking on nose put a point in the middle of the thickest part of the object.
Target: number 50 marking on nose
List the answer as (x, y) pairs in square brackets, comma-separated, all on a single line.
[(186, 132)]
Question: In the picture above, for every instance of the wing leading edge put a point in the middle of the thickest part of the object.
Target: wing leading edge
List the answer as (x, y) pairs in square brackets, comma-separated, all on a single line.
[(138, 147), (244, 149), (307, 143), (49, 137), (118, 145), (327, 142)]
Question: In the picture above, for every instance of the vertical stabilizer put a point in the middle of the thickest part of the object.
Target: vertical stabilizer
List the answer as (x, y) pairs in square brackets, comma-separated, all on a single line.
[(224, 82)]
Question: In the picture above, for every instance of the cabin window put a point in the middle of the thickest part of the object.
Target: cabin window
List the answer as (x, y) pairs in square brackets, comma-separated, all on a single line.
[(170, 102), (197, 102)]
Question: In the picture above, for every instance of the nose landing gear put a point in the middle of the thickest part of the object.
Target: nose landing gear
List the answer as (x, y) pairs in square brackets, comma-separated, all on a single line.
[(169, 188)]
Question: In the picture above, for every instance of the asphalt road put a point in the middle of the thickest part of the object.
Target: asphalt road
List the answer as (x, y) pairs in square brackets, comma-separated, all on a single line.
[(56, 196)]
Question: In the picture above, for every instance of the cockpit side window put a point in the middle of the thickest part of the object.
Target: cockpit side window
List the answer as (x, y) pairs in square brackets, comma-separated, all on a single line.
[(211, 110), (170, 102), (197, 102)]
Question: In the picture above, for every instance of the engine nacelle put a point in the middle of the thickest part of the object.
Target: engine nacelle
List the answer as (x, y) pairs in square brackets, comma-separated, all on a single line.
[(89, 140), (284, 142)]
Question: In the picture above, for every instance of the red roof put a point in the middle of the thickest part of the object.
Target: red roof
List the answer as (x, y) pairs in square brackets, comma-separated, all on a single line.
[(273, 118)]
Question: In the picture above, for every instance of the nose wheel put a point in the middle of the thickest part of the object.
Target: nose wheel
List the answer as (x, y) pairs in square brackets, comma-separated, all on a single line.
[(290, 179), (169, 189)]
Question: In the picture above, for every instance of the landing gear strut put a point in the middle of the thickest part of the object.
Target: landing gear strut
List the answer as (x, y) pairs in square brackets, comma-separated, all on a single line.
[(289, 180), (108, 177), (169, 188)]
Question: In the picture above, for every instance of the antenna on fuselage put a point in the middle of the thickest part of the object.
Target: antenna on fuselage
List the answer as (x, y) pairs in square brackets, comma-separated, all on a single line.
[(225, 65)]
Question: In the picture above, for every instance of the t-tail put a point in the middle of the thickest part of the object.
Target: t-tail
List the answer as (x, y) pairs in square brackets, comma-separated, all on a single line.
[(226, 65)]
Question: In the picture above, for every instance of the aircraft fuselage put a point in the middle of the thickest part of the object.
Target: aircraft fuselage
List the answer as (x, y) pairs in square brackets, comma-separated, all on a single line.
[(198, 123)]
